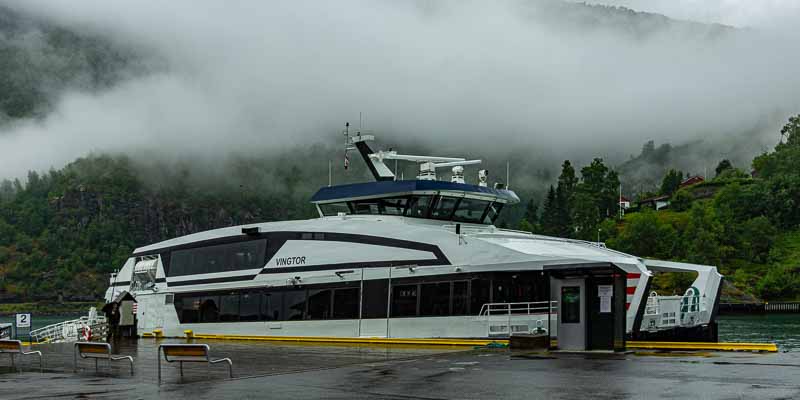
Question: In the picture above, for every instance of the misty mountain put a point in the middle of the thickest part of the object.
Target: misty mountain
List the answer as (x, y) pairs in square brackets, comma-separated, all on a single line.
[(40, 60)]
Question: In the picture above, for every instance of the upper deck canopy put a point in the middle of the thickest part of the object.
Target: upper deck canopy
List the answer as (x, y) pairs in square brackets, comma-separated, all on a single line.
[(396, 188)]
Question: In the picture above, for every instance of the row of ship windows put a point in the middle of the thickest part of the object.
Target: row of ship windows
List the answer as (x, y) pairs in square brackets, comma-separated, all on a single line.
[(423, 299), (460, 209)]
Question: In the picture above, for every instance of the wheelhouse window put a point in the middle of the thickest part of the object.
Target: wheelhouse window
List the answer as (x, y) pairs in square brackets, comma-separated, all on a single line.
[(385, 206), (470, 210), (218, 258), (444, 207), (333, 209), (419, 206), (492, 213)]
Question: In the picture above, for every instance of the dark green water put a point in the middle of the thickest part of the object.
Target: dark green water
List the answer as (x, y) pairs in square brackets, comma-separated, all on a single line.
[(783, 329)]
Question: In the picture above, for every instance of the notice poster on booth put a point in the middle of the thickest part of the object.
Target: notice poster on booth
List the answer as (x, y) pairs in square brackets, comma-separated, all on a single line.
[(605, 292)]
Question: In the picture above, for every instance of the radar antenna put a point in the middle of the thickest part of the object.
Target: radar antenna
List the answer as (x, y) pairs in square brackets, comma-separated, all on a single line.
[(381, 172)]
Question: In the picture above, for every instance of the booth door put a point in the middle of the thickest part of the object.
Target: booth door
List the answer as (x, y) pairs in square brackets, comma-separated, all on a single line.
[(571, 314)]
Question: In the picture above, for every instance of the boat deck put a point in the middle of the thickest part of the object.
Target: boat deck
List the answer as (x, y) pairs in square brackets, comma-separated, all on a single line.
[(280, 370)]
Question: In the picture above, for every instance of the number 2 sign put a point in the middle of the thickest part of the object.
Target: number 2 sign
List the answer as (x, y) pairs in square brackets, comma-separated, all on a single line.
[(23, 320)]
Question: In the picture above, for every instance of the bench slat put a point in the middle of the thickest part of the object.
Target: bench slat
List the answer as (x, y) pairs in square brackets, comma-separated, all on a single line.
[(185, 351), (12, 345), (92, 348)]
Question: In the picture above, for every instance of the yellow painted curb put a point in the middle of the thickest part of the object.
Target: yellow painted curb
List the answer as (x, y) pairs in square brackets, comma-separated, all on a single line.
[(367, 340), (769, 347)]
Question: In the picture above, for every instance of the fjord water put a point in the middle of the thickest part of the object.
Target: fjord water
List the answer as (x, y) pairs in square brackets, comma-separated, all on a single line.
[(783, 329)]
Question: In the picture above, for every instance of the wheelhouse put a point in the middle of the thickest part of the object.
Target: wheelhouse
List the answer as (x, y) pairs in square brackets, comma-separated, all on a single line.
[(445, 201)]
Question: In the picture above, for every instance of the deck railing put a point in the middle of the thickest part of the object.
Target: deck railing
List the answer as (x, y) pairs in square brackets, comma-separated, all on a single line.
[(531, 307)]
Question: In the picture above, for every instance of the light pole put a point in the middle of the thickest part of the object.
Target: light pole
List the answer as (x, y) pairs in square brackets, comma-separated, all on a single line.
[(598, 236)]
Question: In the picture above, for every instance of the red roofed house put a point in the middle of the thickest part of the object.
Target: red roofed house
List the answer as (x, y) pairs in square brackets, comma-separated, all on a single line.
[(691, 181)]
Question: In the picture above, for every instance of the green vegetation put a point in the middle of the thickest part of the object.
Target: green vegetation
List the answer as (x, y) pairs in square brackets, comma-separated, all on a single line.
[(746, 226), (63, 232), (44, 308)]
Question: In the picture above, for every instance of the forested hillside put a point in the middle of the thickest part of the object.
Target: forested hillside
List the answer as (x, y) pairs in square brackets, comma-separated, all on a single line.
[(747, 225)]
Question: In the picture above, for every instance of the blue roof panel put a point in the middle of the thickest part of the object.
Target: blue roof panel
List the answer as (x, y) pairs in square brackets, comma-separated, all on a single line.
[(381, 188)]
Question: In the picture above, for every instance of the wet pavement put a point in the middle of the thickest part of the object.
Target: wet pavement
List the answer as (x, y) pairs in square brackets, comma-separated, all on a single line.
[(276, 371)]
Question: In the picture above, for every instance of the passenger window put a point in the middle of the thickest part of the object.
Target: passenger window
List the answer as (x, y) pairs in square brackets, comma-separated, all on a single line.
[(404, 301), (294, 305), (209, 309), (272, 306), (319, 304), (249, 306), (470, 210), (229, 307), (444, 208), (460, 298), (435, 299), (345, 303)]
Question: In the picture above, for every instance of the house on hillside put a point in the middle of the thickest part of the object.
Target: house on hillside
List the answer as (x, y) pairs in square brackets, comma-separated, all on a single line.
[(692, 180), (656, 202), (624, 202)]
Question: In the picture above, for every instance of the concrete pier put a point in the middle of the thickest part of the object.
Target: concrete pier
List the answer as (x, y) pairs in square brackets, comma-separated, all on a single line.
[(275, 371)]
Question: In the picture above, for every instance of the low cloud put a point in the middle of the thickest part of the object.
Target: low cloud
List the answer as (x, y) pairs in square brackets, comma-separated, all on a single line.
[(561, 79)]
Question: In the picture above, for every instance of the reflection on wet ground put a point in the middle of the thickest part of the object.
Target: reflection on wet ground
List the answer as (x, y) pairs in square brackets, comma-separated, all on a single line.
[(269, 370)]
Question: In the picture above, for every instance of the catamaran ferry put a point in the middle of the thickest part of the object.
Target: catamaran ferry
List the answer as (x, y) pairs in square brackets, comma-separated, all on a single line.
[(408, 259)]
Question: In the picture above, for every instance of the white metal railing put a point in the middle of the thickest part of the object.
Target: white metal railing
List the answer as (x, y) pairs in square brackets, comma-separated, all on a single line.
[(665, 312), (516, 317), (531, 307), (73, 330)]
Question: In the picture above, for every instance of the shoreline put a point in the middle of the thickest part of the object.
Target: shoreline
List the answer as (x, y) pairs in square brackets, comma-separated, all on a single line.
[(48, 308)]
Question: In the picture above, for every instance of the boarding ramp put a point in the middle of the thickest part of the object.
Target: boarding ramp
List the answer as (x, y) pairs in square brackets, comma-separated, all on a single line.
[(694, 308), (84, 328)]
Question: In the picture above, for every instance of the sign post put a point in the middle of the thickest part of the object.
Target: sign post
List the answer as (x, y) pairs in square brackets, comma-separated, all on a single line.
[(22, 320)]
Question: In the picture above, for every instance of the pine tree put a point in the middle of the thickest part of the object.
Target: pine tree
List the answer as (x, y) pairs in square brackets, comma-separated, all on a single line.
[(550, 213)]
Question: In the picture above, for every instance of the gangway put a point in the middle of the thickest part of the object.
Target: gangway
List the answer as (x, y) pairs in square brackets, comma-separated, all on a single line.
[(83, 328)]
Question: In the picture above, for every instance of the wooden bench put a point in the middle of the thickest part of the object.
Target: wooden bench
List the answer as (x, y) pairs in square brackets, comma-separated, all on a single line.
[(97, 351), (188, 353), (14, 348)]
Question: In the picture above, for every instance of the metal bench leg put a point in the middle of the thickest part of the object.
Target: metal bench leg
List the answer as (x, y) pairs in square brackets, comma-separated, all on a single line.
[(181, 362), (158, 361)]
